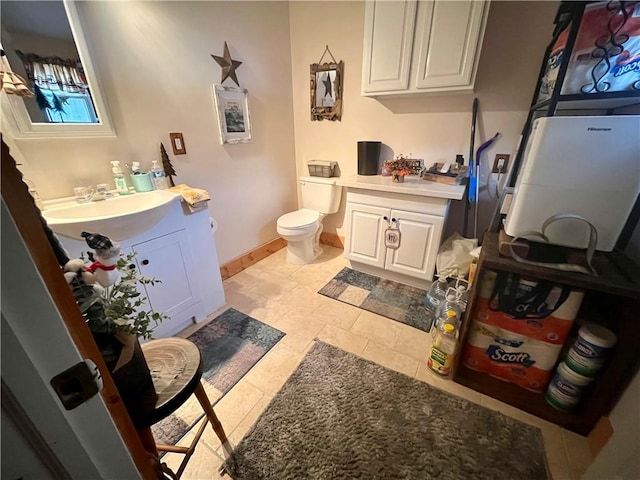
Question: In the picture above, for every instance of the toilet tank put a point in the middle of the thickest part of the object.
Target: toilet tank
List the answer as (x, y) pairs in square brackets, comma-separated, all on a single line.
[(320, 194)]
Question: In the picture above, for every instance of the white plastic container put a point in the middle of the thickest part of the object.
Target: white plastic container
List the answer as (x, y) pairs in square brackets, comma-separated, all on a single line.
[(590, 350), (566, 388)]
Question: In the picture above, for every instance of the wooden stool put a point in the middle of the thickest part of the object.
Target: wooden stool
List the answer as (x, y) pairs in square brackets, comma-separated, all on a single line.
[(176, 368)]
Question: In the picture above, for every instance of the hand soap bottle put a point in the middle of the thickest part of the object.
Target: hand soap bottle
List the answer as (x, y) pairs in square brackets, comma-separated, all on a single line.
[(119, 178)]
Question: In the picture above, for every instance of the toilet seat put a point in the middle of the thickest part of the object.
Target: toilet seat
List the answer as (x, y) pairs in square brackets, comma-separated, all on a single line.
[(298, 220)]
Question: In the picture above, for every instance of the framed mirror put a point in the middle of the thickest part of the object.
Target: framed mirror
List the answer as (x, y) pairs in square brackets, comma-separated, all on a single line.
[(45, 44), (326, 91)]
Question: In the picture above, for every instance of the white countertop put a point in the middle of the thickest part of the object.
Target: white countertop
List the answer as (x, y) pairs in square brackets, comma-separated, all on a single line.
[(412, 185)]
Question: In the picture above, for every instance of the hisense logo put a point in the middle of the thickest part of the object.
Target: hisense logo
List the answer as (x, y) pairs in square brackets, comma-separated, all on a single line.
[(598, 129)]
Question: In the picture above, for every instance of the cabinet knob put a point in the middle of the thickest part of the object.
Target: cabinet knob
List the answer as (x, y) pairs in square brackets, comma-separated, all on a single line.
[(131, 266), (393, 220), (385, 218), (145, 262)]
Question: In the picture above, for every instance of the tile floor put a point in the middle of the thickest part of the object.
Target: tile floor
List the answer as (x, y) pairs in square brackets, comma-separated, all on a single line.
[(286, 297)]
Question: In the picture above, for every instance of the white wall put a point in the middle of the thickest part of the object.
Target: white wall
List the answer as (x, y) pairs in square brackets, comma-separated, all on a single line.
[(153, 59), (154, 62), (620, 457), (434, 128)]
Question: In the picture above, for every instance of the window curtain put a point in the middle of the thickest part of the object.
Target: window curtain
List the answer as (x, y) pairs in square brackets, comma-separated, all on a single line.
[(54, 73)]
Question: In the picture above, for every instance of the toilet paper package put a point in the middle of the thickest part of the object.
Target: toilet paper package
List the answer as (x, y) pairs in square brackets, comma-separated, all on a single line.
[(540, 310), (548, 81), (603, 61), (509, 356)]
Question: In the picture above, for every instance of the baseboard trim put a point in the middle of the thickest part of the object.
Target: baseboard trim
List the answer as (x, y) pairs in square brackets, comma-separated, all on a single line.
[(600, 435), (332, 239), (238, 264)]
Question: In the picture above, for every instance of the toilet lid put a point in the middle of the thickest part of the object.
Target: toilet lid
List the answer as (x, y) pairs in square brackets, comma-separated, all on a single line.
[(298, 219)]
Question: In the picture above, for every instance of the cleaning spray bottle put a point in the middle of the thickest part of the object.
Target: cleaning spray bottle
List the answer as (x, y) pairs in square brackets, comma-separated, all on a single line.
[(119, 178)]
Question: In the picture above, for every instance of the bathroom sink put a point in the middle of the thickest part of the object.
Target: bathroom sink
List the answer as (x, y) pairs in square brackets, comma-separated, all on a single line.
[(118, 218)]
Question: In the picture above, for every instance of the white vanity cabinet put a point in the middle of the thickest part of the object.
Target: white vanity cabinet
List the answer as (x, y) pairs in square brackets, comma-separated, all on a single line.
[(422, 46), (179, 250), (168, 258), (420, 235)]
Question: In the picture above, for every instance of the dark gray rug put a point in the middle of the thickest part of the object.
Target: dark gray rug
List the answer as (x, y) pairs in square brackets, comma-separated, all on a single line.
[(341, 417), (399, 302)]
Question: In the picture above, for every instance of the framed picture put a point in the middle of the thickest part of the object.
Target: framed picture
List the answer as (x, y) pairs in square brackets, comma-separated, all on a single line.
[(415, 166), (233, 114)]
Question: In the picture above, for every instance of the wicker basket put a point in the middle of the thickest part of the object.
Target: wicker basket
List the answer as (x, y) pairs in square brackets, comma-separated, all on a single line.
[(321, 168)]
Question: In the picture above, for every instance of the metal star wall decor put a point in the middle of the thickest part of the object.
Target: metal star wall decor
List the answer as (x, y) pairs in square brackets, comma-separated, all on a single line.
[(228, 65), (327, 85)]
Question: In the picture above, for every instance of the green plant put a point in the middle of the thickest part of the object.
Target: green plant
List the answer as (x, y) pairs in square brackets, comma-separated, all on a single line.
[(123, 303)]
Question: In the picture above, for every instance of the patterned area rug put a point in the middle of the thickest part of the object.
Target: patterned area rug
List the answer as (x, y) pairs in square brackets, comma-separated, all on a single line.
[(342, 417), (231, 344), (393, 300)]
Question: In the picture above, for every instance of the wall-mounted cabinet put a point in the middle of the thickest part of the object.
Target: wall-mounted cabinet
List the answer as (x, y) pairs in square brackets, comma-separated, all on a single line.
[(422, 46)]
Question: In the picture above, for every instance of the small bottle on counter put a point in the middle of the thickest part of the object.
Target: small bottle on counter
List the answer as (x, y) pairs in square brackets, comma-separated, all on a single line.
[(158, 177), (119, 178)]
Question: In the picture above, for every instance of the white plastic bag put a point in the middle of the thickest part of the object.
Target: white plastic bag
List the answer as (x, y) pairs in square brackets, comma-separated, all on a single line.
[(454, 256)]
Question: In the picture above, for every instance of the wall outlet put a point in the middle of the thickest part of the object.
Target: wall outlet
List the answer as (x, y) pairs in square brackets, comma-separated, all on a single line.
[(500, 163)]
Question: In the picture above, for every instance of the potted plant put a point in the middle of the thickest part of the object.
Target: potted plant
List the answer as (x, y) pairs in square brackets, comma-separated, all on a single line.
[(117, 315), (398, 167)]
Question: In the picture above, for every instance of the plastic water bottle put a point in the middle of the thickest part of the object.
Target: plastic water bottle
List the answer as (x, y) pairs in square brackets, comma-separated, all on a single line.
[(463, 298), (450, 304), (158, 177), (435, 296), (444, 346)]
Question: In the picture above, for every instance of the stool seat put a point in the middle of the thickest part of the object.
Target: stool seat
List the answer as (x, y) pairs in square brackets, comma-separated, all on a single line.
[(176, 369)]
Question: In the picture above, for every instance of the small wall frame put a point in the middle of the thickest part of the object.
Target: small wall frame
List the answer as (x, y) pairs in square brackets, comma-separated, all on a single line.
[(233, 114), (326, 90)]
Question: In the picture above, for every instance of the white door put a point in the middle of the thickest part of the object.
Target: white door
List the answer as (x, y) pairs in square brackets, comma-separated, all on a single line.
[(168, 259), (419, 240), (388, 40), (36, 346), (448, 40), (365, 230)]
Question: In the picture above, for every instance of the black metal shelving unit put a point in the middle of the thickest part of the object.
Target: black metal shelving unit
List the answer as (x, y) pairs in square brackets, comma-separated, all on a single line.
[(569, 16), (597, 102)]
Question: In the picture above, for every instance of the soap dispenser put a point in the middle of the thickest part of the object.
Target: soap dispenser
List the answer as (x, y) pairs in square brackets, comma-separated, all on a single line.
[(119, 178)]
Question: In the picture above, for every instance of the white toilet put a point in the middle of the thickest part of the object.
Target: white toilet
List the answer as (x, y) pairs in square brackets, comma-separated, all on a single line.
[(302, 228)]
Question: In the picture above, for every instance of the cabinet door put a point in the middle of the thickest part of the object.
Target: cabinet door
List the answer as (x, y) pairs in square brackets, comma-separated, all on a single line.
[(167, 259), (447, 46), (388, 39), (365, 230), (419, 241)]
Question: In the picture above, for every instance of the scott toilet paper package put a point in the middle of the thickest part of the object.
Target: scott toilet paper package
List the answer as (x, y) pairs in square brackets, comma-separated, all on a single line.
[(606, 54), (509, 356), (538, 309)]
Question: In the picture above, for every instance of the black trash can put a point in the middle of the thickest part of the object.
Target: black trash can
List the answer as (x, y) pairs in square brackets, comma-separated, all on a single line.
[(368, 157)]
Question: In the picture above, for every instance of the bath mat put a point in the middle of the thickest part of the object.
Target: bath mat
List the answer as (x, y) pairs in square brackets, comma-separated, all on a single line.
[(390, 299), (230, 345), (342, 417)]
